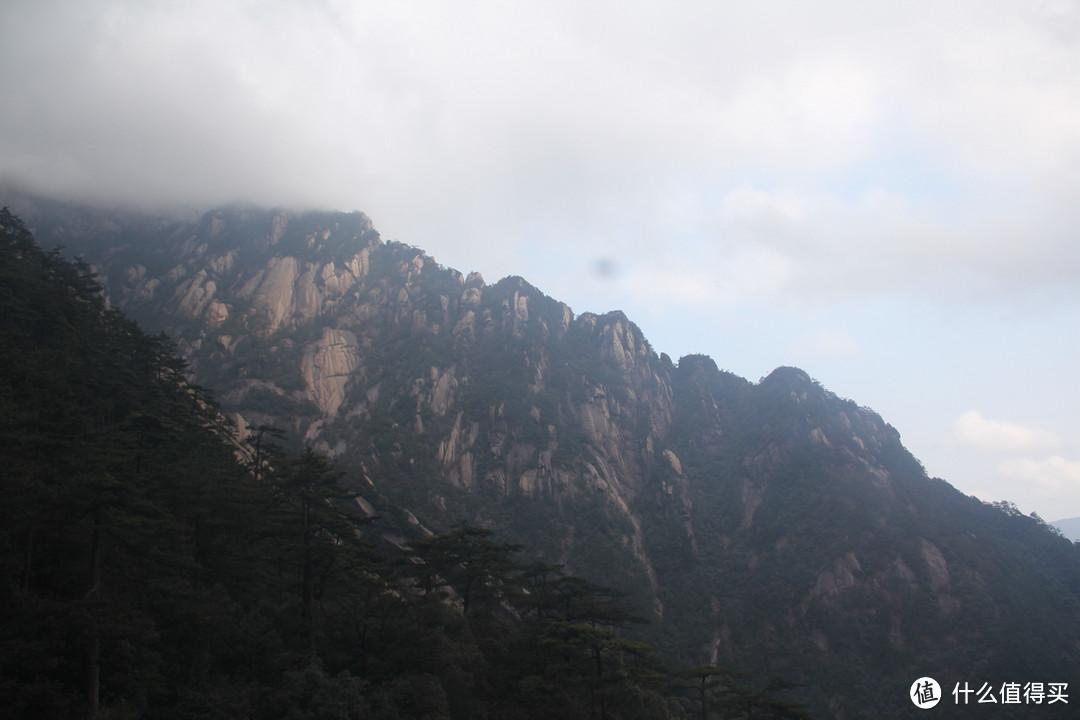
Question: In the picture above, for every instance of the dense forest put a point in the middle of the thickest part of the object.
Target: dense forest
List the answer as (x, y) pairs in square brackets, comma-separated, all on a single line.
[(154, 564)]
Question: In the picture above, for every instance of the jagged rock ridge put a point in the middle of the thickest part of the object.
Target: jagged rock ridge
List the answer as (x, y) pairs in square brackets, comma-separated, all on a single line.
[(772, 526)]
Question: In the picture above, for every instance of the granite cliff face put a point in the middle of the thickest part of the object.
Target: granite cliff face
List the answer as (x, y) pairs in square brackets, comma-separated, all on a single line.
[(358, 347), (773, 526)]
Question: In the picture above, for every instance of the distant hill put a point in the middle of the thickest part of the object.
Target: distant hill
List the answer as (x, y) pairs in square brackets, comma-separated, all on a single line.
[(770, 526), (1069, 527)]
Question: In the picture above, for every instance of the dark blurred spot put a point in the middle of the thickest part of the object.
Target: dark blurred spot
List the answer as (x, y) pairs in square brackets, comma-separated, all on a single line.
[(604, 268)]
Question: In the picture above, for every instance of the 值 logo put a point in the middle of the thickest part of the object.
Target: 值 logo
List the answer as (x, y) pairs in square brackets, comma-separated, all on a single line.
[(925, 693)]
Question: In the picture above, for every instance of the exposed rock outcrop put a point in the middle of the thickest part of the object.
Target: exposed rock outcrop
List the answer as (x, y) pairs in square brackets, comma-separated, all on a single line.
[(327, 366), (769, 525)]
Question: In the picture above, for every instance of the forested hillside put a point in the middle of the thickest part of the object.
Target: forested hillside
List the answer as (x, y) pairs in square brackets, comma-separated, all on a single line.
[(771, 527), (153, 566)]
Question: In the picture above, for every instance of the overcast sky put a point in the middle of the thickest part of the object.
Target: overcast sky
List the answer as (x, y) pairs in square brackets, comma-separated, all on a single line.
[(886, 194)]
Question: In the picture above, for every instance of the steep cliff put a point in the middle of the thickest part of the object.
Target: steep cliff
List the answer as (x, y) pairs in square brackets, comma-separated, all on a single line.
[(773, 526)]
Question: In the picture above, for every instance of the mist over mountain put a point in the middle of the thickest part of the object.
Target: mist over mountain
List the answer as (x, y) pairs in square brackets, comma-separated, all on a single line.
[(769, 526), (1069, 527)]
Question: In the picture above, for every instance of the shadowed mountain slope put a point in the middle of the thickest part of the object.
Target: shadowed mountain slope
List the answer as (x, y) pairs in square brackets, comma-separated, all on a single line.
[(770, 526)]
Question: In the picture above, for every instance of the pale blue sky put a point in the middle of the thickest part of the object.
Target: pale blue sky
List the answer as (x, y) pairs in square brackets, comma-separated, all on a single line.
[(884, 194)]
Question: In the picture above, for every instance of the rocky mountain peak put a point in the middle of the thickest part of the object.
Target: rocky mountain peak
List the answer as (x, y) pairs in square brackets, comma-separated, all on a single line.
[(773, 525)]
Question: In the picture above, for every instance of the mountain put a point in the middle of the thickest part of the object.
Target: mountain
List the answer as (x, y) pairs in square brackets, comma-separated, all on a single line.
[(1069, 527), (772, 526), (153, 566)]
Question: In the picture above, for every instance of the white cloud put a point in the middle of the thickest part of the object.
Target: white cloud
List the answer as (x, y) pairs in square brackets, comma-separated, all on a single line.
[(974, 430), (747, 203), (1054, 475), (668, 286), (825, 342), (842, 147)]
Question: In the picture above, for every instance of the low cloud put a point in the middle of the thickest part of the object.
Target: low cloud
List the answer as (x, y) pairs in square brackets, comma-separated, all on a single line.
[(974, 430), (840, 148)]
